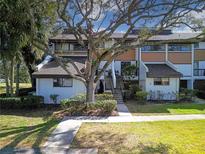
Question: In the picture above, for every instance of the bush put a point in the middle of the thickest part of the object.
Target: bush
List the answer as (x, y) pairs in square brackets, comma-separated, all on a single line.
[(106, 106), (26, 102), (54, 98), (141, 96), (200, 94), (104, 96), (187, 94), (78, 106)]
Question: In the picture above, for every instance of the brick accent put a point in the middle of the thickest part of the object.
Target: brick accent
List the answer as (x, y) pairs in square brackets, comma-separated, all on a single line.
[(153, 56)]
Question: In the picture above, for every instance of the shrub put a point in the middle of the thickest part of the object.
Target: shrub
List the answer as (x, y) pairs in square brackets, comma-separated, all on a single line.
[(133, 89), (77, 105), (54, 98), (187, 94), (104, 96), (106, 106), (26, 102), (200, 94), (141, 96)]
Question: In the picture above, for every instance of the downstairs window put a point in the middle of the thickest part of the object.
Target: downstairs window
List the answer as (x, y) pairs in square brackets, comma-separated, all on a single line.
[(161, 81), (62, 82)]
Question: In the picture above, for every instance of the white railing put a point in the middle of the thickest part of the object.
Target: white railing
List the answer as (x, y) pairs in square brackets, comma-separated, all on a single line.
[(113, 74)]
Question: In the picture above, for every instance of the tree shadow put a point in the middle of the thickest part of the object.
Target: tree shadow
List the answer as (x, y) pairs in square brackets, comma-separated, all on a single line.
[(27, 136)]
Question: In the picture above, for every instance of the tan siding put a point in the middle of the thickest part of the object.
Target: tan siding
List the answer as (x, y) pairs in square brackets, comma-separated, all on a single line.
[(199, 55), (128, 56), (153, 57), (180, 57)]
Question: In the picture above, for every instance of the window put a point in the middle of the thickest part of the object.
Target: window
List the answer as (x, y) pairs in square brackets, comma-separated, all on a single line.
[(57, 46), (196, 45), (65, 46), (62, 82), (161, 81), (179, 47), (153, 48)]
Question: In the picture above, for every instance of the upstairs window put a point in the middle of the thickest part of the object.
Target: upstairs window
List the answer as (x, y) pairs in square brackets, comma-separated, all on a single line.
[(196, 45), (57, 46), (179, 47), (62, 82), (153, 48), (161, 81)]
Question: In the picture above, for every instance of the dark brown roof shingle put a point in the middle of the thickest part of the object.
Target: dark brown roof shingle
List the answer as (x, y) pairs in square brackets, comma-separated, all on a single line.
[(161, 70)]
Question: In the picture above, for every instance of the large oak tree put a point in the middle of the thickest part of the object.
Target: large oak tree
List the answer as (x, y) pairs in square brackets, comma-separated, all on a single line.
[(96, 20)]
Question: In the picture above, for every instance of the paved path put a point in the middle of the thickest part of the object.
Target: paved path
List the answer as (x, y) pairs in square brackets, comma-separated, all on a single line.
[(63, 135), (134, 118), (123, 110), (55, 150)]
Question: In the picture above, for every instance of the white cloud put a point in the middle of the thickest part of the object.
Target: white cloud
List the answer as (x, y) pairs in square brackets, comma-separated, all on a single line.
[(195, 16)]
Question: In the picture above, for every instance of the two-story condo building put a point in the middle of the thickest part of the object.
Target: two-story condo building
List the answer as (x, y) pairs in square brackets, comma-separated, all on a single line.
[(162, 68)]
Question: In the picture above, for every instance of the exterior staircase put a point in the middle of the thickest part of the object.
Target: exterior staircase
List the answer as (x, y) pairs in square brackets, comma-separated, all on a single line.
[(117, 92), (118, 96)]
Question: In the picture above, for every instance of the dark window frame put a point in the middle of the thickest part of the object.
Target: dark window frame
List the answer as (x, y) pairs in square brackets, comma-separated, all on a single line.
[(154, 48), (179, 47), (60, 82), (160, 82)]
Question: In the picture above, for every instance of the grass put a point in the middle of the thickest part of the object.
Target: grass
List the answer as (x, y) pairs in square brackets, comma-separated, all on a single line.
[(25, 128), (163, 109), (184, 137), (22, 85)]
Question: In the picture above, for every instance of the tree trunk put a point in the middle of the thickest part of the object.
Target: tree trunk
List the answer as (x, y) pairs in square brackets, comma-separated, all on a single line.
[(90, 91), (12, 77), (6, 76), (17, 79)]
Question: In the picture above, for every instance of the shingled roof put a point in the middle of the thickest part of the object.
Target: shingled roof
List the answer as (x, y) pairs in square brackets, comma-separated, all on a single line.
[(53, 69), (161, 70)]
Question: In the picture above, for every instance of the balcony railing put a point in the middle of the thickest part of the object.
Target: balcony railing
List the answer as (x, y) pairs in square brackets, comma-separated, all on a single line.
[(199, 72)]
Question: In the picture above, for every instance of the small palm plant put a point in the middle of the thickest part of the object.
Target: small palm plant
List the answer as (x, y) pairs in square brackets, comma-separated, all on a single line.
[(54, 98)]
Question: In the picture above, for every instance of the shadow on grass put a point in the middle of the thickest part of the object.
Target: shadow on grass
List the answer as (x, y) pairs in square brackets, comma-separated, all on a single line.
[(43, 112), (37, 133), (27, 136), (108, 142), (166, 108)]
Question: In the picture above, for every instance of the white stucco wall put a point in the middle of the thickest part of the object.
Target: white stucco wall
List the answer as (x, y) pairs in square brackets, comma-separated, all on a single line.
[(118, 66), (167, 90), (201, 45), (44, 87), (185, 69)]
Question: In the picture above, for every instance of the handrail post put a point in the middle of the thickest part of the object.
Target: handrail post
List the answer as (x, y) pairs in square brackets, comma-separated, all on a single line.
[(113, 75)]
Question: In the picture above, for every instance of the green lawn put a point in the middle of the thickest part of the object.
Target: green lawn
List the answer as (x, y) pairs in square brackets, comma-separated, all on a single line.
[(173, 137), (22, 85), (25, 128), (160, 109)]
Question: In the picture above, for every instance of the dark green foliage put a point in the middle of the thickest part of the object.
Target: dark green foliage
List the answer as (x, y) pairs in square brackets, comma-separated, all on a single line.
[(141, 96), (106, 106), (187, 94), (26, 102), (104, 97), (77, 105)]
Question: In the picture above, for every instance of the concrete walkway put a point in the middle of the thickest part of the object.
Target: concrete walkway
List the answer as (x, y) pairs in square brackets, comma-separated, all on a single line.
[(123, 110), (134, 118), (63, 135), (56, 150)]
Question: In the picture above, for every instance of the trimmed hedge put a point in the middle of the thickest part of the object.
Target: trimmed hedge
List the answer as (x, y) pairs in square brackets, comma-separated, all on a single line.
[(26, 102)]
